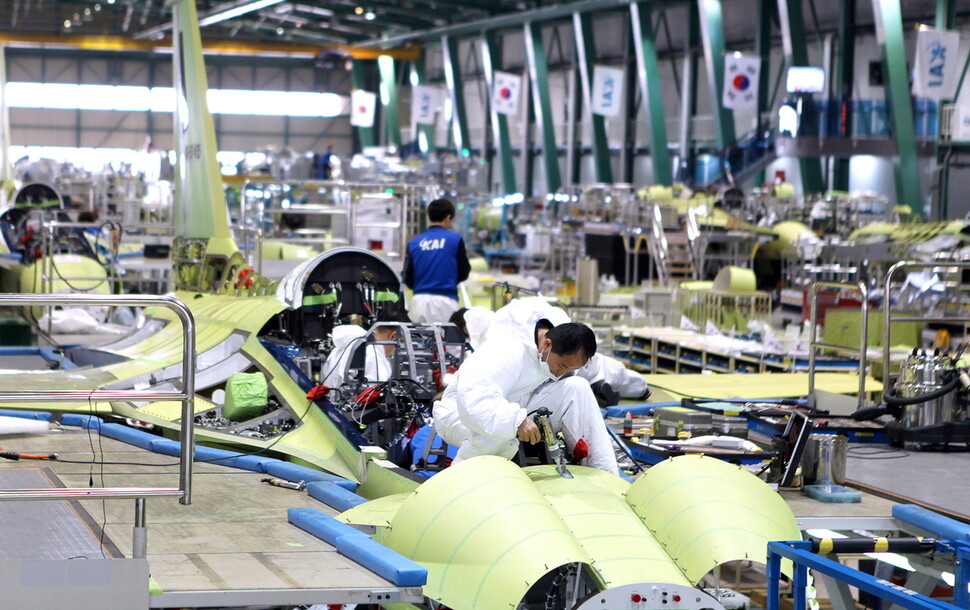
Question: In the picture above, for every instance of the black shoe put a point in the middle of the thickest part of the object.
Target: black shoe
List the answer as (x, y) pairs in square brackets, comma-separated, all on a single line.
[(605, 395)]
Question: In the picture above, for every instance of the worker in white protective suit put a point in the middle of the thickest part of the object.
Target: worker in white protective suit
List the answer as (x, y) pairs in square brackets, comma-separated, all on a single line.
[(488, 408), (520, 316), (347, 339)]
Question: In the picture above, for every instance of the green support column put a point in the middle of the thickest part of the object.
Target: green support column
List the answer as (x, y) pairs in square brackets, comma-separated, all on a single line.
[(648, 75), (456, 91), (492, 57), (425, 133), (712, 38), (539, 81), (391, 114), (945, 20), (842, 78), (796, 54), (585, 58), (889, 33), (762, 48), (946, 14), (357, 81), (688, 96)]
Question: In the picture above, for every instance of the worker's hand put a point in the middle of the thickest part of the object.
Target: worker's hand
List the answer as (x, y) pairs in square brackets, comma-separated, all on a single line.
[(528, 431)]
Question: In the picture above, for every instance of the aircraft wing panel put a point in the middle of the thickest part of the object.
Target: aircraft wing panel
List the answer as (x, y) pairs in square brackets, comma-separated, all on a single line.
[(705, 512), (485, 533), (74, 379), (377, 513), (598, 515)]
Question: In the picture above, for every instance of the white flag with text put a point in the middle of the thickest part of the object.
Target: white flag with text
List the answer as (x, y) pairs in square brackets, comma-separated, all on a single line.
[(424, 104), (363, 105), (607, 90), (937, 64), (506, 92)]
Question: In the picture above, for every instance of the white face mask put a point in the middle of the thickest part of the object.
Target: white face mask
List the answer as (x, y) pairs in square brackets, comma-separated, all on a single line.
[(544, 365)]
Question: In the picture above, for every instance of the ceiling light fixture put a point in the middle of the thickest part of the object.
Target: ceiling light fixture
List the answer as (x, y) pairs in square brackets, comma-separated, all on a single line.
[(359, 10), (370, 15), (235, 9)]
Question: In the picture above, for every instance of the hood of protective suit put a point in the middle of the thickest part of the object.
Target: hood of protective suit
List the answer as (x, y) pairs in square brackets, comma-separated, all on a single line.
[(520, 316), (477, 321), (345, 334)]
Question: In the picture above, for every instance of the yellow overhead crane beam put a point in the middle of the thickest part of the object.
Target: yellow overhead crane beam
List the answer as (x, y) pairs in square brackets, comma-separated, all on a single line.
[(410, 51)]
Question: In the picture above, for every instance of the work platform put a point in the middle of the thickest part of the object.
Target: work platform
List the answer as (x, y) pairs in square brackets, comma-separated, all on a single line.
[(231, 547)]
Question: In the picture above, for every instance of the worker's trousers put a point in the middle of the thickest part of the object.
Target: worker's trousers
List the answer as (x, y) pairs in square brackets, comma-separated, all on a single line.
[(431, 308), (574, 413)]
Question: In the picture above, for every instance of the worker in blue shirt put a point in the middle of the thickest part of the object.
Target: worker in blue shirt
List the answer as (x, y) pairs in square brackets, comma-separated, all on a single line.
[(435, 263)]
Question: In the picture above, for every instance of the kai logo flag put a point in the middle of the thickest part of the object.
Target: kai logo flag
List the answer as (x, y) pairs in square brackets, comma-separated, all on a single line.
[(937, 58), (741, 74), (424, 104), (607, 90), (363, 104), (506, 93)]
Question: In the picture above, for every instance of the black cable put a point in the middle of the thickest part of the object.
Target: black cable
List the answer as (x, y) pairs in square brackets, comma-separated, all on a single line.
[(890, 453), (654, 385)]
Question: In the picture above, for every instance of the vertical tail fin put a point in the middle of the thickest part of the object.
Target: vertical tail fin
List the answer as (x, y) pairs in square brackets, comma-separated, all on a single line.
[(200, 205), (206, 258)]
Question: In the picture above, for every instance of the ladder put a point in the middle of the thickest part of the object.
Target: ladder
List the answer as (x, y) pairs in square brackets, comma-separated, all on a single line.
[(676, 255)]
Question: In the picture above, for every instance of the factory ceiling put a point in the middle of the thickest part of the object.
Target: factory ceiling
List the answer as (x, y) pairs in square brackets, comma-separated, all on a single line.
[(299, 22), (344, 23)]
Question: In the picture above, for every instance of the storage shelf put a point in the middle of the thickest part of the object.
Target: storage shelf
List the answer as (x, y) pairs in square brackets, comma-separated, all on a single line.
[(674, 351)]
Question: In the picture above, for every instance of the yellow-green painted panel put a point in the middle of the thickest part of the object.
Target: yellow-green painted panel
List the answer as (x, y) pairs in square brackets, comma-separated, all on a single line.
[(594, 509), (705, 512), (485, 533), (377, 513)]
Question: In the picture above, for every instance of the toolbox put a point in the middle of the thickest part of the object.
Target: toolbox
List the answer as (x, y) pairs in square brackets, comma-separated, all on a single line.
[(730, 425), (680, 422)]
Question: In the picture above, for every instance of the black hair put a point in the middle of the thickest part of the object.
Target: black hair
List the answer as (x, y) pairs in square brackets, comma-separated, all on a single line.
[(389, 314), (541, 324), (458, 318), (570, 338), (439, 209)]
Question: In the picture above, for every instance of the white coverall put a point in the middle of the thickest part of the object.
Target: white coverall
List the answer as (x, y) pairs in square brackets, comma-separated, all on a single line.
[(432, 308), (346, 339), (499, 385), (520, 317)]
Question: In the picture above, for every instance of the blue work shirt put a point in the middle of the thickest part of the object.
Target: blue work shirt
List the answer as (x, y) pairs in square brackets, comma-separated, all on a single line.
[(436, 262)]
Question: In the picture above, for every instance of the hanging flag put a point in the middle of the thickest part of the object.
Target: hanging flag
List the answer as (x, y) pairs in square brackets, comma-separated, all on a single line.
[(607, 90), (505, 92), (424, 104), (741, 74), (937, 69), (363, 104)]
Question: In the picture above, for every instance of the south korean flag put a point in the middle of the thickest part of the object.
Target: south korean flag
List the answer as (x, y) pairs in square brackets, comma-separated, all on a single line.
[(363, 105), (741, 74), (505, 92)]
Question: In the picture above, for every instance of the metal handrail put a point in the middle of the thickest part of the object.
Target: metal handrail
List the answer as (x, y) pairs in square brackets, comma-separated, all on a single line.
[(888, 317), (187, 396), (863, 290)]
